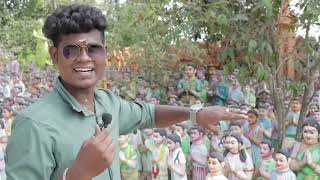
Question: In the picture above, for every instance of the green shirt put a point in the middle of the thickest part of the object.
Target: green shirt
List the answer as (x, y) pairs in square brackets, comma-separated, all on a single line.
[(47, 135)]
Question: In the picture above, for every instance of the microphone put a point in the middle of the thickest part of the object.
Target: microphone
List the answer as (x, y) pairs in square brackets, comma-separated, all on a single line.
[(106, 118)]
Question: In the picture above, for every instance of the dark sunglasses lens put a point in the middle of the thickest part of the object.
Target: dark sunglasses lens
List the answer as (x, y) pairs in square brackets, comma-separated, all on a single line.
[(96, 51), (71, 51)]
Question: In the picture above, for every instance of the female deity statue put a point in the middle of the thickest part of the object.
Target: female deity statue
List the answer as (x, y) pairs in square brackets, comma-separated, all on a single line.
[(306, 154)]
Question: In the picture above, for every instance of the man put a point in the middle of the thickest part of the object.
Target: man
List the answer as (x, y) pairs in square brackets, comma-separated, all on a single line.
[(58, 137)]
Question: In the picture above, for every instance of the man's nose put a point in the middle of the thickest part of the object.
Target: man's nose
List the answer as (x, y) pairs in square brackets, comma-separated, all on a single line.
[(84, 56)]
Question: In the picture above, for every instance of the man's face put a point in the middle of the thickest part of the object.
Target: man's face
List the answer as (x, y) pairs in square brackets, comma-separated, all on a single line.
[(281, 162), (265, 150), (214, 165), (83, 72), (190, 71)]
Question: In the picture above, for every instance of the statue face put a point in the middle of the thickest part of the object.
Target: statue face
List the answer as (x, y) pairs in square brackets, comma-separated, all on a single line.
[(123, 139), (200, 75), (178, 130), (153, 85), (263, 112), (281, 162), (158, 139), (190, 71), (232, 145), (310, 135), (296, 106), (252, 119), (214, 165), (317, 116), (312, 109), (236, 129), (171, 145), (148, 132), (153, 101), (265, 150), (195, 135)]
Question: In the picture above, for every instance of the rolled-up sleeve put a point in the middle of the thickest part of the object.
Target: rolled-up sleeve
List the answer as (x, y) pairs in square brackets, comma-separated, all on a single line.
[(136, 115), (29, 151)]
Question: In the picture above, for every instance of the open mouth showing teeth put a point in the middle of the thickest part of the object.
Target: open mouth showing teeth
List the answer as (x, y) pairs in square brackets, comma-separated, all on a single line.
[(84, 69)]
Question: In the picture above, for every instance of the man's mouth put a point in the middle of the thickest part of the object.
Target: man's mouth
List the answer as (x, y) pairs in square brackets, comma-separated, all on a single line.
[(89, 69)]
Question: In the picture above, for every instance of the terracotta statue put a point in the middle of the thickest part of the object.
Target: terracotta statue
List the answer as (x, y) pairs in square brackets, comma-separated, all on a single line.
[(219, 91), (189, 88), (238, 162), (215, 167), (159, 155), (305, 155), (176, 159), (283, 171), (128, 159), (198, 153), (267, 163)]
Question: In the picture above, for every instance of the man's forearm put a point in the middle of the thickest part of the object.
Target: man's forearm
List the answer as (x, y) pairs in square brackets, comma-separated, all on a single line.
[(166, 116)]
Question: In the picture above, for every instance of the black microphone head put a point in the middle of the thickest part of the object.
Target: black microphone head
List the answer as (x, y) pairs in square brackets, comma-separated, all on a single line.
[(106, 118)]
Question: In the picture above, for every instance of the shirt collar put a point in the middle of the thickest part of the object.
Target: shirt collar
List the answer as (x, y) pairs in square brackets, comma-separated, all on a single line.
[(68, 98)]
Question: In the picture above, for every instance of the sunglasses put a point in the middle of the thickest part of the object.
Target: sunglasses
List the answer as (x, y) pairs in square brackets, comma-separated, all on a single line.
[(94, 51)]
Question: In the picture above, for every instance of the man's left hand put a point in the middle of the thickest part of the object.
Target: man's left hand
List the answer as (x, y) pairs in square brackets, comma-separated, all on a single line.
[(210, 116)]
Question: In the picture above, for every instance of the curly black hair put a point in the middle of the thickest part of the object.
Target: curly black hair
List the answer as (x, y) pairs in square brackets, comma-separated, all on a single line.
[(73, 18)]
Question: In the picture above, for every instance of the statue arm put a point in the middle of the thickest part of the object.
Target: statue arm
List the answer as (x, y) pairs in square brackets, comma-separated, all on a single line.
[(179, 168), (244, 175), (295, 163)]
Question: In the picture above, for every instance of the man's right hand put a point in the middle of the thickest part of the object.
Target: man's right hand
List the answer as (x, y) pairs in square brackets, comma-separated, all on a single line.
[(96, 155)]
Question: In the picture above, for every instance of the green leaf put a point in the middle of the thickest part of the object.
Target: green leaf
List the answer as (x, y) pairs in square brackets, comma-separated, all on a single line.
[(241, 17), (222, 20)]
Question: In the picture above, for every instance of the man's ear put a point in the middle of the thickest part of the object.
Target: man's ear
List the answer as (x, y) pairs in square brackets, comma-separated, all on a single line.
[(289, 160), (53, 51), (223, 164)]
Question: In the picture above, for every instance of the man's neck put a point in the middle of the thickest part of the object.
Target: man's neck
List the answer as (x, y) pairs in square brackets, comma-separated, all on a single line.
[(84, 97)]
